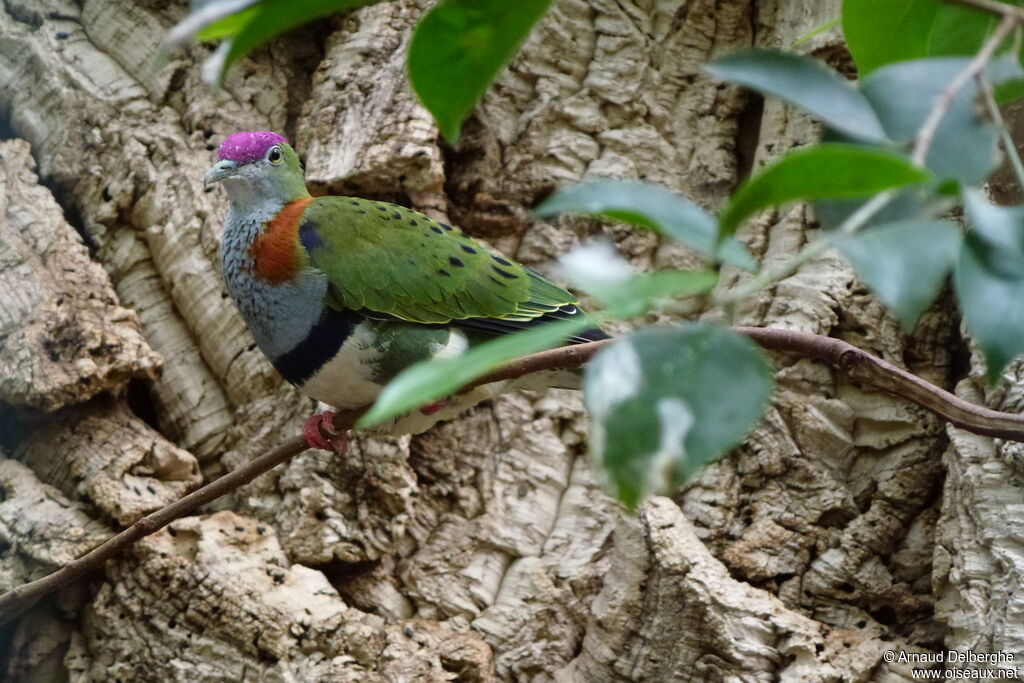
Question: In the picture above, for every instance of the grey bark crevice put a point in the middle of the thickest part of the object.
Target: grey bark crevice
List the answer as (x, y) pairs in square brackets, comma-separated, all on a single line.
[(65, 338)]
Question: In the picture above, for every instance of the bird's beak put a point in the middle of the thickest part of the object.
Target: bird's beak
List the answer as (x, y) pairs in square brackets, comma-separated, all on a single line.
[(219, 171)]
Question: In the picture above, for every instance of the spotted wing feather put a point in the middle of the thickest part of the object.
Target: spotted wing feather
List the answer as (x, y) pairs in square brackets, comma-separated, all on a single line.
[(390, 260)]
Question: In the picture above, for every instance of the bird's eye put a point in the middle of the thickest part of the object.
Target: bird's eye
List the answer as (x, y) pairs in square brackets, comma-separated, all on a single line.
[(274, 156)]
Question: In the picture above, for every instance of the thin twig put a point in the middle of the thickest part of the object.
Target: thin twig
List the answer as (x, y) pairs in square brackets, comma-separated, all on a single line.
[(15, 601), (993, 7), (923, 141), (858, 364), (1004, 133), (811, 251), (768, 276)]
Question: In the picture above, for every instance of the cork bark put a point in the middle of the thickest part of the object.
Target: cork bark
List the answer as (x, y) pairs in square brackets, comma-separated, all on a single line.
[(848, 524), (65, 336)]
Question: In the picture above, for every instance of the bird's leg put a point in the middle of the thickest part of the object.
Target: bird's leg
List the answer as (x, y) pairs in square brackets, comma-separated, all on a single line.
[(431, 408), (319, 432)]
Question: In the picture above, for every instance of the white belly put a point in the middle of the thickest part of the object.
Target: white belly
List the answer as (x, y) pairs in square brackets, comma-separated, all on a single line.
[(344, 381)]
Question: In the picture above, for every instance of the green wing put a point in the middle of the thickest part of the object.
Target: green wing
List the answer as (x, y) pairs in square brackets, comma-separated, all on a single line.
[(393, 260)]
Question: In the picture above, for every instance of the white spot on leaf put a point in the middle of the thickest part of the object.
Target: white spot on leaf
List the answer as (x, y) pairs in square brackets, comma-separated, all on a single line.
[(214, 64), (595, 268), (613, 377), (676, 419)]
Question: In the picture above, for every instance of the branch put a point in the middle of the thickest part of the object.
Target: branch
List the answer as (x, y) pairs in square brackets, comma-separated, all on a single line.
[(17, 600), (859, 365), (944, 101), (561, 358)]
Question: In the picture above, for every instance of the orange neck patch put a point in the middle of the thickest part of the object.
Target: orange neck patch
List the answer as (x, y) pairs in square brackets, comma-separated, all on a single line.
[(275, 251)]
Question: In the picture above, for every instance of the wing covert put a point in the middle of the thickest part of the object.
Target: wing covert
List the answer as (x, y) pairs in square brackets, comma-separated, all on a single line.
[(395, 261)]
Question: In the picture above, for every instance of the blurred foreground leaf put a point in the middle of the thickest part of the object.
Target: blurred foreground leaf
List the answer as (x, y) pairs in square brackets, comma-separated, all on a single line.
[(650, 206), (826, 171), (989, 281), (665, 401), (458, 49), (806, 83), (905, 263)]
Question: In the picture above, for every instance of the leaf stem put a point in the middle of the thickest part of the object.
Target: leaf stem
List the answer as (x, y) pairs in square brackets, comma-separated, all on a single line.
[(992, 7), (1004, 133), (925, 135), (811, 251)]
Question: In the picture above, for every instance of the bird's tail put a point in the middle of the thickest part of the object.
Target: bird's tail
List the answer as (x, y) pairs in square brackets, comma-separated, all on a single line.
[(591, 335)]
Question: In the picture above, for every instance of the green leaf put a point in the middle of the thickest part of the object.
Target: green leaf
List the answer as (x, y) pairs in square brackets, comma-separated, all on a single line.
[(828, 25), (806, 83), (203, 15), (649, 206), (903, 94), (665, 401), (635, 296), (1010, 91), (458, 49), (1000, 229), (1004, 68), (432, 380), (826, 171), (990, 299), (958, 30), (905, 263), (879, 32), (1000, 226), (599, 270), (227, 27), (990, 279), (276, 17)]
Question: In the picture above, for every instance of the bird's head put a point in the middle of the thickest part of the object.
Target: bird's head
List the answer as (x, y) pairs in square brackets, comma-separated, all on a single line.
[(258, 166)]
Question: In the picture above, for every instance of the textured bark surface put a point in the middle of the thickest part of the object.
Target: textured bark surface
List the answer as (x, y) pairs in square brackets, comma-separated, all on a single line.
[(485, 549), (63, 336), (40, 530)]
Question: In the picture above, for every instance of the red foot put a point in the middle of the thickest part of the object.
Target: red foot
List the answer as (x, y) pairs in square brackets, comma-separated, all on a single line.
[(319, 433), (431, 408)]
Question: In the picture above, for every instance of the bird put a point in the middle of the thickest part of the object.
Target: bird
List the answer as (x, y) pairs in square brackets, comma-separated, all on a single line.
[(343, 293)]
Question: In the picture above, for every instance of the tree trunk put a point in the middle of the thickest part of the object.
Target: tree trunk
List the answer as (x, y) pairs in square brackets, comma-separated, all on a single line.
[(849, 524)]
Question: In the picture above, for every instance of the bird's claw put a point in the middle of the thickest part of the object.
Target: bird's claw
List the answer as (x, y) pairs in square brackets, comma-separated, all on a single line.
[(431, 408), (319, 432)]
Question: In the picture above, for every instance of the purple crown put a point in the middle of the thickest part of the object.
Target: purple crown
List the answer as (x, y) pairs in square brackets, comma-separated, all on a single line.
[(249, 145)]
